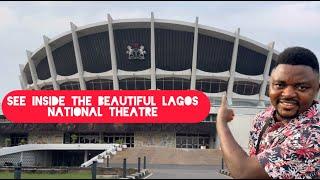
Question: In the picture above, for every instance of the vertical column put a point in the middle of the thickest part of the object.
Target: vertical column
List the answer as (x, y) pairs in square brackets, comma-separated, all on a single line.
[(153, 55), (233, 67), (217, 142), (113, 55), (101, 138), (78, 55), (22, 77), (85, 156), (266, 74), (22, 83), (32, 70), (194, 56), (52, 67)]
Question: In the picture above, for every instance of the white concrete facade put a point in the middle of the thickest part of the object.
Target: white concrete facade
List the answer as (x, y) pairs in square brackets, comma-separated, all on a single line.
[(155, 73), (51, 64), (113, 55), (78, 56), (244, 115)]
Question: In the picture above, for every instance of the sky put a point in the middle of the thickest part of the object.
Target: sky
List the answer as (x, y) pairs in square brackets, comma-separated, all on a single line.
[(22, 24)]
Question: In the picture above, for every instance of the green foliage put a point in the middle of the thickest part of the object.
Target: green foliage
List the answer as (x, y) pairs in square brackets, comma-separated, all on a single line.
[(7, 142), (23, 141), (74, 138), (119, 141)]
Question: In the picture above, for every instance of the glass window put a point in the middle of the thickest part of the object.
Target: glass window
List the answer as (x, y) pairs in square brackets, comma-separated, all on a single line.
[(246, 88), (19, 139), (173, 83), (127, 138), (47, 87), (211, 85), (135, 84), (70, 86), (192, 140)]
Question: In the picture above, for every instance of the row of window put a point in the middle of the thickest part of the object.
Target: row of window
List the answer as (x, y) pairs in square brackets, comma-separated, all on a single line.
[(16, 139), (95, 138), (194, 141), (210, 118), (205, 85)]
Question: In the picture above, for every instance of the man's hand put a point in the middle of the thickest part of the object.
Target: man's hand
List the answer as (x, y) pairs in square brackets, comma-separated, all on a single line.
[(224, 113), (239, 163)]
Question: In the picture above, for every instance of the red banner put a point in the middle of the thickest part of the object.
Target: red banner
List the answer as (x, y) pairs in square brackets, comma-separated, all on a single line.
[(106, 106)]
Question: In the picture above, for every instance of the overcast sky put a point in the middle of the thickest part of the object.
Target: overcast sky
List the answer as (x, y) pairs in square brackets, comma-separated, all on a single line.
[(22, 24)]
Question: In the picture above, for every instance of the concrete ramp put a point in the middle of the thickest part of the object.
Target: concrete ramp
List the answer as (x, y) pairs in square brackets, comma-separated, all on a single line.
[(162, 155)]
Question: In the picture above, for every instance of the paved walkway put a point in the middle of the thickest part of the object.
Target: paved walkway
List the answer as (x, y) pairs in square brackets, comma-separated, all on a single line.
[(185, 172), (161, 155)]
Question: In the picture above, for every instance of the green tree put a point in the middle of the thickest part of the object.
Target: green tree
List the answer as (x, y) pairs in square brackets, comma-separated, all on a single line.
[(74, 138), (7, 142)]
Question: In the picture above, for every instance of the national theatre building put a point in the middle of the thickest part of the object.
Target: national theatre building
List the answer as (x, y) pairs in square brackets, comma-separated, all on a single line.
[(143, 54)]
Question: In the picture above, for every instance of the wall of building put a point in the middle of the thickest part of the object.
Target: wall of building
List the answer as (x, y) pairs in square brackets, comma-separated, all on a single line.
[(154, 138), (241, 125), (29, 158), (240, 128), (45, 137)]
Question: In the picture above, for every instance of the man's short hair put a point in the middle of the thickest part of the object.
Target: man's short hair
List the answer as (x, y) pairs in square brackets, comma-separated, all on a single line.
[(298, 56)]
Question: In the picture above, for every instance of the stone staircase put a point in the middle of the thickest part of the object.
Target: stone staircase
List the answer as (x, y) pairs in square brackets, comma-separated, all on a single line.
[(164, 155)]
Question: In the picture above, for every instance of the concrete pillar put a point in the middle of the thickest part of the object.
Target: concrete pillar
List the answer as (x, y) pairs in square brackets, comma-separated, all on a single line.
[(101, 138), (194, 56), (32, 70), (52, 67), (85, 156), (233, 67), (78, 55), (22, 77), (113, 55), (266, 74), (153, 55), (21, 83)]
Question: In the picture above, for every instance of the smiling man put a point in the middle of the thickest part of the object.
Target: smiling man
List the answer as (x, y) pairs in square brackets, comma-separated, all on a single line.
[(285, 138)]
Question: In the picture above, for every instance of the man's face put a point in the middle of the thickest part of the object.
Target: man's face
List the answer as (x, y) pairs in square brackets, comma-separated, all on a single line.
[(292, 89)]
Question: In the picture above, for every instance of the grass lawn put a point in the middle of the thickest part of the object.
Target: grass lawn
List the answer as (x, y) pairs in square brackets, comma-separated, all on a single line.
[(80, 175)]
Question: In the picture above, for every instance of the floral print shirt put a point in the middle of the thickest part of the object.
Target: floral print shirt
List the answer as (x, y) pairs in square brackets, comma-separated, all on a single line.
[(289, 150)]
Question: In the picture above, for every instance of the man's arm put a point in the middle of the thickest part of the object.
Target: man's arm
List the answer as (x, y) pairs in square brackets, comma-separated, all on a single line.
[(237, 160)]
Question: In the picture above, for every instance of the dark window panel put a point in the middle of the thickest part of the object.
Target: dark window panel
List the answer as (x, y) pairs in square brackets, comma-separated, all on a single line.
[(173, 49), (43, 70), (65, 60), (214, 55), (70, 86), (173, 84), (246, 88), (211, 85), (135, 84), (99, 84), (95, 52), (250, 62), (47, 87)]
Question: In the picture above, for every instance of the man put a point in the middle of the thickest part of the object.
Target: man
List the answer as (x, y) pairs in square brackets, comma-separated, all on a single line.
[(285, 138)]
